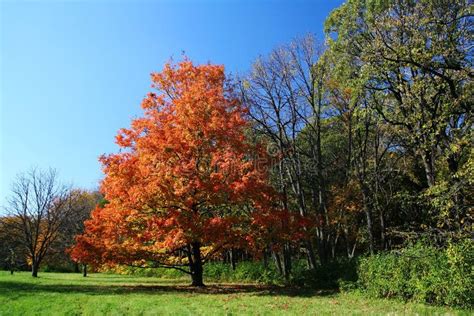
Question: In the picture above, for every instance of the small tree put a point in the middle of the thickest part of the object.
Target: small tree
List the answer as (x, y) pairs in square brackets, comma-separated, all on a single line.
[(38, 206)]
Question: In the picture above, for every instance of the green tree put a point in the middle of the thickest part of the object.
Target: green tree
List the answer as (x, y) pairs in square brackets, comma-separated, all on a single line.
[(412, 62)]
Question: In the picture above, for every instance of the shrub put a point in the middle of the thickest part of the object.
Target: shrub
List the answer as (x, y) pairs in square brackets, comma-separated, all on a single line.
[(145, 272), (57, 268), (326, 276), (422, 273), (246, 271), (461, 263)]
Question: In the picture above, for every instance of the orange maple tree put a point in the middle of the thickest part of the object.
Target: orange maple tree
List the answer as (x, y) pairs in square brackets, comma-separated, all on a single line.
[(187, 183)]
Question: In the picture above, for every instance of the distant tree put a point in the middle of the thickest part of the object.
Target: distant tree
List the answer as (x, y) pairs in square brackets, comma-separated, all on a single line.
[(12, 253), (38, 207), (82, 204)]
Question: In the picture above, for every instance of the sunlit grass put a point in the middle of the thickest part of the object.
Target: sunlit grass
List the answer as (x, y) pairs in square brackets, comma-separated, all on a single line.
[(72, 294)]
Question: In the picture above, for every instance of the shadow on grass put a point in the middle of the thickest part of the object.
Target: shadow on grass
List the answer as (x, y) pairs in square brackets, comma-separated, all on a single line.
[(111, 279), (12, 290)]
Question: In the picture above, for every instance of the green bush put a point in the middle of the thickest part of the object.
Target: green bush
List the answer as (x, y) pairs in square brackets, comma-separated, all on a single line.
[(326, 276), (246, 271), (217, 271), (422, 273), (461, 264), (150, 272), (63, 268)]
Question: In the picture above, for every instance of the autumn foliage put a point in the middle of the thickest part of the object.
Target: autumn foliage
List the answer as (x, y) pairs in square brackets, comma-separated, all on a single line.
[(187, 184)]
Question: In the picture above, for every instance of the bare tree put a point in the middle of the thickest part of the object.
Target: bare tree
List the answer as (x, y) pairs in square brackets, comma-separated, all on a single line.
[(40, 205), (285, 96)]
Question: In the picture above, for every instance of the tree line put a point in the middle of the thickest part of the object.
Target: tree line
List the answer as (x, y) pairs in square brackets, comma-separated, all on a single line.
[(375, 127)]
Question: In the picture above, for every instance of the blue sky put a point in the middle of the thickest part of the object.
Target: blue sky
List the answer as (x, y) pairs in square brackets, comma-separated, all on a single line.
[(74, 72)]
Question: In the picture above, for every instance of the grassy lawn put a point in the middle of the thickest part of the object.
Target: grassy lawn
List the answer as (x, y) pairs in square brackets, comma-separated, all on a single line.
[(71, 294)]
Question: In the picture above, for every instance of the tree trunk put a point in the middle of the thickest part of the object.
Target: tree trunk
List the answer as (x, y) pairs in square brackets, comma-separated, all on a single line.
[(287, 262), (196, 265), (428, 163), (12, 261), (346, 239), (278, 262), (321, 194), (382, 230), (457, 197), (368, 216), (311, 255), (232, 258), (84, 270), (353, 249), (334, 246), (34, 269), (265, 259), (321, 246)]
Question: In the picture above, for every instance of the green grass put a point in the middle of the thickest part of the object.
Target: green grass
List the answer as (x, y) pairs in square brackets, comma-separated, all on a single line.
[(98, 294)]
